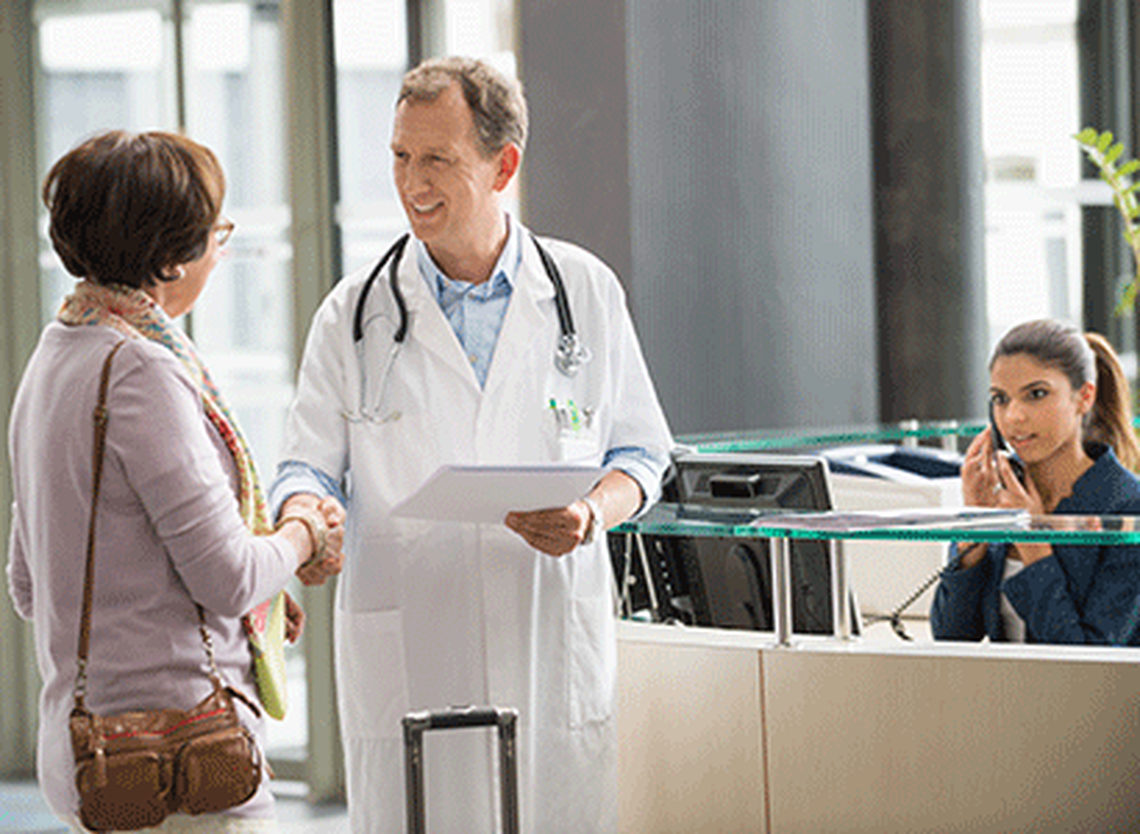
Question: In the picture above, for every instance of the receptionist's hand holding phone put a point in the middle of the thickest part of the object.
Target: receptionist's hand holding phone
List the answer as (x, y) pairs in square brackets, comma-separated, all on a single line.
[(1002, 450), (994, 476)]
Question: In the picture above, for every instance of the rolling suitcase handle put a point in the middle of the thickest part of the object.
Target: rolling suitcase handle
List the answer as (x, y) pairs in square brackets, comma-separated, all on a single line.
[(416, 723)]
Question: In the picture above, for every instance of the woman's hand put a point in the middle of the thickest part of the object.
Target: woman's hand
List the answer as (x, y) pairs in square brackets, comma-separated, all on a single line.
[(1016, 496), (294, 619), (1011, 494), (989, 481), (321, 570), (980, 481)]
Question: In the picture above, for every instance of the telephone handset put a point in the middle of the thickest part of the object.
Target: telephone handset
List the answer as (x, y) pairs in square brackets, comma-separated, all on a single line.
[(1002, 447)]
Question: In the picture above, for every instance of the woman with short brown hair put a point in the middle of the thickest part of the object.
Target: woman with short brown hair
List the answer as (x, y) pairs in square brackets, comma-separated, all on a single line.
[(181, 518)]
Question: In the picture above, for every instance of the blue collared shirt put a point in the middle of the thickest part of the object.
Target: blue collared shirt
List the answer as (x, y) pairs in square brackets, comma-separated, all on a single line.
[(476, 313)]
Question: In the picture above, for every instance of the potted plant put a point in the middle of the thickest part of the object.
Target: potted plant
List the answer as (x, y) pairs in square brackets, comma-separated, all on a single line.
[(1107, 156)]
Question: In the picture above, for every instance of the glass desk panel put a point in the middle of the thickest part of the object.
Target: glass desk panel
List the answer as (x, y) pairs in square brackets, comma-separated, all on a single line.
[(906, 431), (968, 524), (760, 440), (780, 527)]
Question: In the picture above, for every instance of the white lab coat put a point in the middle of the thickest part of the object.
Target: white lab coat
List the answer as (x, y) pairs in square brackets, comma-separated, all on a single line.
[(432, 615)]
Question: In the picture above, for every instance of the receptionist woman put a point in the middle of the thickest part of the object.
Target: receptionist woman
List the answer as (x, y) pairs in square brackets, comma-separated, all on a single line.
[(1061, 401)]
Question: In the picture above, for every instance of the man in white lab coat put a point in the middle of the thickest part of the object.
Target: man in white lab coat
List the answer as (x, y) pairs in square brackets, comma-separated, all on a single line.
[(434, 614)]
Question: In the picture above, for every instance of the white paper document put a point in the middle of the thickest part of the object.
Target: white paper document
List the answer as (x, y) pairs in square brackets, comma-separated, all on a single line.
[(487, 493)]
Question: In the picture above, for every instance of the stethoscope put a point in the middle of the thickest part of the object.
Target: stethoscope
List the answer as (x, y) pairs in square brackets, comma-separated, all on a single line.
[(569, 354)]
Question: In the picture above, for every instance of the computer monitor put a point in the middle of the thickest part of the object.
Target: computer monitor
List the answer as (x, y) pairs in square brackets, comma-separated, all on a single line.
[(727, 583)]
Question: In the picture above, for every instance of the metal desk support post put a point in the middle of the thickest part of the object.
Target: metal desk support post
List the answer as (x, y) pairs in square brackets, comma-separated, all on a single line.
[(654, 604), (782, 591), (950, 439), (841, 625), (910, 441), (841, 602)]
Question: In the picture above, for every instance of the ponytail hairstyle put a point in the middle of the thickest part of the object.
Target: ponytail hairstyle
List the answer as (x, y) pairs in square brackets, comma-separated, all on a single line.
[(1082, 358), (1110, 420)]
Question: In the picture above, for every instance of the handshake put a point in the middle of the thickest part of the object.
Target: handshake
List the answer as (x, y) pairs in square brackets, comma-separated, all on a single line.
[(324, 520)]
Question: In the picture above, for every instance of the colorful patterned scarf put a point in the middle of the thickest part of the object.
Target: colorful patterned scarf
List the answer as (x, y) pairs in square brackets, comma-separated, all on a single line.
[(137, 315)]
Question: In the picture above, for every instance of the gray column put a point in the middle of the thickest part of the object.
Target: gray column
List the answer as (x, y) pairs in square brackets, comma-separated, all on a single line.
[(929, 208), (1106, 74), (723, 148), (575, 174), (19, 323)]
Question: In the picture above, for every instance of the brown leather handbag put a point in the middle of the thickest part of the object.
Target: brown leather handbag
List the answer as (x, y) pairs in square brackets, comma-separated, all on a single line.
[(136, 768)]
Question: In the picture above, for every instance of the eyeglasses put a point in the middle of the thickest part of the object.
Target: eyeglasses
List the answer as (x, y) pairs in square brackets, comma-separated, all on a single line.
[(222, 230)]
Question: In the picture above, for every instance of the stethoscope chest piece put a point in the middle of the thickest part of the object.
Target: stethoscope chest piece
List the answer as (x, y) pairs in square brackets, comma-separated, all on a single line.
[(571, 354)]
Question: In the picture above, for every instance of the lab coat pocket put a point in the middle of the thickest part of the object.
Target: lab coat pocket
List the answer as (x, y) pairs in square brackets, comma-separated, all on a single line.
[(579, 448), (571, 433), (373, 693), (593, 661)]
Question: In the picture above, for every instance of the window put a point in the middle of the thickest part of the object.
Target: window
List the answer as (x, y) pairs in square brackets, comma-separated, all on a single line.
[(1030, 111), (234, 105), (110, 64), (370, 39), (98, 70), (371, 58), (215, 69)]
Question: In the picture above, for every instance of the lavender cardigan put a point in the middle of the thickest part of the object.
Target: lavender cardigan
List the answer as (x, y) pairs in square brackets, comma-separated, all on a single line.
[(168, 534)]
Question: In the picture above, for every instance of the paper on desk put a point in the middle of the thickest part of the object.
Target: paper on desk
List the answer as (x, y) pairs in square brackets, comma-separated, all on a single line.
[(933, 517), (487, 493)]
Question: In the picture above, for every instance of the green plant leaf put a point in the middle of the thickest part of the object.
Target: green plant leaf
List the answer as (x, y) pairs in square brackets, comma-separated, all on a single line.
[(1127, 299), (1087, 136), (1101, 151)]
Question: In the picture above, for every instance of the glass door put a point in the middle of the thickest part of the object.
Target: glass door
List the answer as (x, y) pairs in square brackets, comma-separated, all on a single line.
[(1030, 111), (243, 323), (100, 66), (214, 70)]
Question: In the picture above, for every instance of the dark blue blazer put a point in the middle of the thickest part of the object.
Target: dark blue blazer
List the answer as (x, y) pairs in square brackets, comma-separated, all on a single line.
[(1081, 594)]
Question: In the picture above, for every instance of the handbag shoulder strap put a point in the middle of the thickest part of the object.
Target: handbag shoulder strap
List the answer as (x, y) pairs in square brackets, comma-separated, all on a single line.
[(101, 416)]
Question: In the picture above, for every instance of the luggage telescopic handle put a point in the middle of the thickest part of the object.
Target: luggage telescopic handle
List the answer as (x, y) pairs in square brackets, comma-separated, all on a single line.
[(417, 723), (457, 717)]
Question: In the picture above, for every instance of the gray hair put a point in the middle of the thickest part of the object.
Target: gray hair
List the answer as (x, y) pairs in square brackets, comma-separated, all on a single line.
[(497, 103)]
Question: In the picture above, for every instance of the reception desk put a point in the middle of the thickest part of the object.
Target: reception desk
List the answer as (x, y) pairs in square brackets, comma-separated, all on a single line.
[(724, 731), (738, 731)]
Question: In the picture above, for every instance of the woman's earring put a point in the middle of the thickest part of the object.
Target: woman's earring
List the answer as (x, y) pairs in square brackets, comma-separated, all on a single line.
[(179, 273)]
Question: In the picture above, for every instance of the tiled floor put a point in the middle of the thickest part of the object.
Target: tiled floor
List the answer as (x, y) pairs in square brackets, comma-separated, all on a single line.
[(23, 810)]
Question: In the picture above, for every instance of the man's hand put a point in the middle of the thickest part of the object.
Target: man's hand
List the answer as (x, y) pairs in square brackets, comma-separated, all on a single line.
[(555, 532)]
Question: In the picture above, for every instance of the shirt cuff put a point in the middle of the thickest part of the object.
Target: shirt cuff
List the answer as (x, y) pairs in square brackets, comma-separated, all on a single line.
[(643, 466), (294, 478)]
